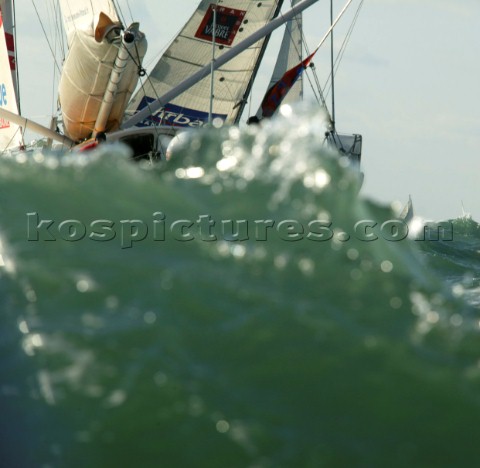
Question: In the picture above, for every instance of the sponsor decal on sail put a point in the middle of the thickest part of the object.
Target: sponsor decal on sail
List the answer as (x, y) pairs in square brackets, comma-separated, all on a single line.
[(175, 116), (228, 23)]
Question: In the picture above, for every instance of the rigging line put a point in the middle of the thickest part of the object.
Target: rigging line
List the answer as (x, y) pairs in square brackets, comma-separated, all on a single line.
[(343, 47), (119, 11), (58, 28), (142, 86), (299, 22), (332, 65), (60, 35), (45, 34), (12, 138), (320, 98), (295, 45), (17, 75), (130, 11), (53, 27), (138, 61), (164, 48)]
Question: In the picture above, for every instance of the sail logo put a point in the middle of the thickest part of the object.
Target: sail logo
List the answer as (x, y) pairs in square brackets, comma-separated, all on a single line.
[(3, 95), (3, 102), (175, 116), (228, 23)]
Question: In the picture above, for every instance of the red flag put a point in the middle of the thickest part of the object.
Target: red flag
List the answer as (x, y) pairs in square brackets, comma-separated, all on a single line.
[(279, 90)]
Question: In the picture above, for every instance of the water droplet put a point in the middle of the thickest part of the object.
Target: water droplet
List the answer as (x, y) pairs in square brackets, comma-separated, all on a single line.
[(356, 274), (227, 163), (396, 302), (286, 110), (160, 379), (222, 426), (112, 302), (458, 290), (456, 320), (307, 266), (239, 251), (150, 317), (23, 327), (352, 254), (432, 317), (280, 262), (386, 266), (217, 122), (116, 398)]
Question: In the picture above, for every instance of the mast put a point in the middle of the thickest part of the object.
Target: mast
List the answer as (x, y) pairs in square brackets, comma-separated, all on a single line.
[(243, 102), (212, 72)]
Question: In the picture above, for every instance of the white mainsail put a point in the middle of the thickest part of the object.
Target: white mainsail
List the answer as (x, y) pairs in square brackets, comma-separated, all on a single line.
[(192, 50), (10, 134), (101, 70)]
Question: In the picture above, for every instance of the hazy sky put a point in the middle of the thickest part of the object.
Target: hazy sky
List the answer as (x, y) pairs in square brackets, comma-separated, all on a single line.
[(408, 83)]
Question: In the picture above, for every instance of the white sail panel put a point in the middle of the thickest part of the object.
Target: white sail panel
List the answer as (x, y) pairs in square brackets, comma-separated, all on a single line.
[(6, 7), (83, 15), (192, 50), (10, 134)]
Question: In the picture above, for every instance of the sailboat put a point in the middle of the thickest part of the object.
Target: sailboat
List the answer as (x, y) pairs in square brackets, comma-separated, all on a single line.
[(205, 75)]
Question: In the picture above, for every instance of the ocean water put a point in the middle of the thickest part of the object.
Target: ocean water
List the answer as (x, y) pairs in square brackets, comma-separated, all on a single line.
[(238, 306)]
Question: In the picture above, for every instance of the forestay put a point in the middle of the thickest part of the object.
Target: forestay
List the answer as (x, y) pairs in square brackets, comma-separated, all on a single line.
[(192, 50)]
